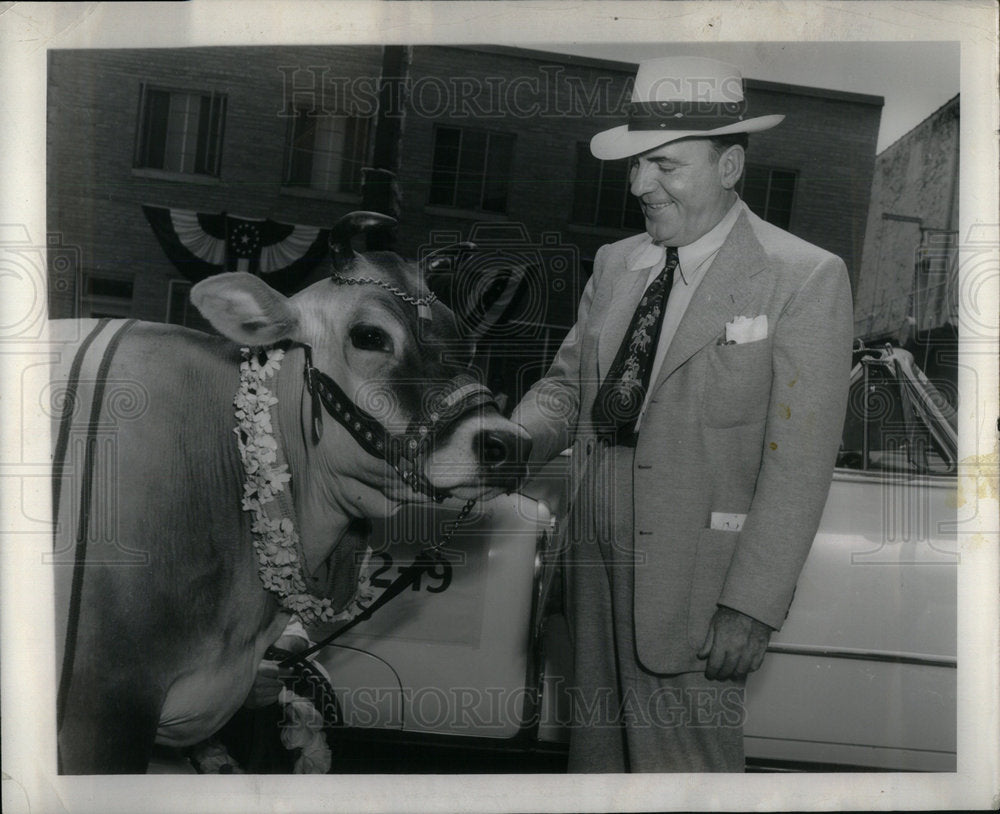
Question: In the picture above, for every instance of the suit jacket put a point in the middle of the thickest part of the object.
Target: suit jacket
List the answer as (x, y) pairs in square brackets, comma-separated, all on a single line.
[(750, 429)]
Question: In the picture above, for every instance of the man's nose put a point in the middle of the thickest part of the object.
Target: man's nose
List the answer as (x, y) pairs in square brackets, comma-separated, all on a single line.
[(642, 179)]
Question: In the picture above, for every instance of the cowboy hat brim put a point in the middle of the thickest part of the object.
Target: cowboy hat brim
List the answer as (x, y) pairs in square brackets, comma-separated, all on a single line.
[(620, 142)]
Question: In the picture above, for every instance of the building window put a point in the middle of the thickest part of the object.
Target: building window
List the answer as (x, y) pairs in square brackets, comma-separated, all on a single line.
[(471, 168), (107, 296), (180, 311), (325, 153), (180, 131), (935, 284), (768, 192), (601, 196)]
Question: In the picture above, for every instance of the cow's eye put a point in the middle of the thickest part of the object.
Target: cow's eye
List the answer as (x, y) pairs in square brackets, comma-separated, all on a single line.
[(370, 337)]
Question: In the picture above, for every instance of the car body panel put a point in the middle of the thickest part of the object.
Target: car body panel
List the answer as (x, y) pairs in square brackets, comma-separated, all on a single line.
[(367, 688), (864, 670), (462, 653), (851, 712)]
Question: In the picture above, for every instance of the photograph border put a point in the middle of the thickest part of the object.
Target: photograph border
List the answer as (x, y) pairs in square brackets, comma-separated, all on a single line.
[(27, 31)]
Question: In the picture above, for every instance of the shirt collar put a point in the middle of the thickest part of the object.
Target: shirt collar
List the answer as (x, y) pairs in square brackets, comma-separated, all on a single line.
[(691, 257)]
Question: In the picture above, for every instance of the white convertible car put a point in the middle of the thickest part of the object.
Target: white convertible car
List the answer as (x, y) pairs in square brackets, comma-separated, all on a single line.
[(863, 675)]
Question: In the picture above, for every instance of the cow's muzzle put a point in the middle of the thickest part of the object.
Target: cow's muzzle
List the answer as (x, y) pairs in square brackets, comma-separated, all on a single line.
[(502, 455)]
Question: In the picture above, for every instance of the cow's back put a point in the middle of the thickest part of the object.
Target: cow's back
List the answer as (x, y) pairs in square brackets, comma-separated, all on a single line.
[(158, 603)]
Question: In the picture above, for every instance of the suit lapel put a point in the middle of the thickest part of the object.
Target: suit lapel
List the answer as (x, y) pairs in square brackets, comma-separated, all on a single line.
[(722, 295), (625, 295)]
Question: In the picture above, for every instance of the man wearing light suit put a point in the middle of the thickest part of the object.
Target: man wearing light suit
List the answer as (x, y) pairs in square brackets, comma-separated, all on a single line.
[(703, 391)]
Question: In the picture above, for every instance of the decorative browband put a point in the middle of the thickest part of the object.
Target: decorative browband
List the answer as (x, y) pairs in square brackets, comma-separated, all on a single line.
[(684, 115)]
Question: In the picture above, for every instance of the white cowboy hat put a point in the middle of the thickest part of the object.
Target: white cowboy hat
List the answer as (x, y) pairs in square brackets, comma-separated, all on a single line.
[(680, 97)]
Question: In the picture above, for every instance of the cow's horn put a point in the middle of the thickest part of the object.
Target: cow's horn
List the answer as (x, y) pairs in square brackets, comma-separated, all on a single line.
[(347, 227)]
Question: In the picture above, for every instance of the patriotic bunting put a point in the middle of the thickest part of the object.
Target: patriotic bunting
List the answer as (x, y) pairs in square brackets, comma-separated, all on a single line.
[(200, 245)]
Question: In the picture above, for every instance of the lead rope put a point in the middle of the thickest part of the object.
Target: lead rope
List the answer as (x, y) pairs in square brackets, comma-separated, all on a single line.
[(427, 557)]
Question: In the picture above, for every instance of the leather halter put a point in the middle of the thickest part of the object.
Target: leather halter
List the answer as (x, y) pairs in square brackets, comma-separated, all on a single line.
[(403, 452)]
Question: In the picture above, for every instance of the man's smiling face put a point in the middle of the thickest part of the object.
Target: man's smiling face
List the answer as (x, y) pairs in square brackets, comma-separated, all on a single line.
[(684, 188)]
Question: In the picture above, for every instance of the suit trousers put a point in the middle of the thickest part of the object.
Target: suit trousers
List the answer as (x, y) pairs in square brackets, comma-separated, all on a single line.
[(626, 718)]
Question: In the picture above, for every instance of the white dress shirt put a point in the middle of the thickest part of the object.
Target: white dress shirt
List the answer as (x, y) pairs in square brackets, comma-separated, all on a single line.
[(694, 260)]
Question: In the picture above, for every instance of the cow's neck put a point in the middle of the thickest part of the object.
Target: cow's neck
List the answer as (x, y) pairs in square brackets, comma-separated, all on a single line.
[(326, 500), (320, 519)]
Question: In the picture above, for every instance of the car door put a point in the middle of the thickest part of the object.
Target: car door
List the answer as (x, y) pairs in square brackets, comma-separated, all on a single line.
[(863, 673)]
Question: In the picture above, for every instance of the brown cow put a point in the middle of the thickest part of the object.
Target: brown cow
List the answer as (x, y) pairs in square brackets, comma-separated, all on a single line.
[(163, 535)]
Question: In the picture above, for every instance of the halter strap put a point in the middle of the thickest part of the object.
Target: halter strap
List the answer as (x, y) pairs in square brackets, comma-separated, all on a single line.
[(402, 451)]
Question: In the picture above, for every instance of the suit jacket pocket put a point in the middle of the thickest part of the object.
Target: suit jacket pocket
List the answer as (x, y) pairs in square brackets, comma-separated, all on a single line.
[(712, 557), (737, 383)]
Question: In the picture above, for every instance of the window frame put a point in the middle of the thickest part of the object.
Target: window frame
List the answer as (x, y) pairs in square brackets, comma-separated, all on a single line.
[(140, 157), (99, 305), (345, 183), (771, 169), (179, 298), (483, 173), (583, 151)]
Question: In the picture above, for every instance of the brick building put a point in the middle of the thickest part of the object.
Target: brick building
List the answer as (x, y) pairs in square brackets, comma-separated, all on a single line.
[(492, 142), (907, 288), (101, 105), (908, 265)]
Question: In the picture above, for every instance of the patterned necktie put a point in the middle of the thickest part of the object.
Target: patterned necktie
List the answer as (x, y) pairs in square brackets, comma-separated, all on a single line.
[(623, 391)]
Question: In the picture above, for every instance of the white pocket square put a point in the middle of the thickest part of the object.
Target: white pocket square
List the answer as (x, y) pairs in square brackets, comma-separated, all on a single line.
[(746, 329)]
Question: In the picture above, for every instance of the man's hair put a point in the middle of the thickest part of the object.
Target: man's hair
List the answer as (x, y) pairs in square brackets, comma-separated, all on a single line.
[(722, 143)]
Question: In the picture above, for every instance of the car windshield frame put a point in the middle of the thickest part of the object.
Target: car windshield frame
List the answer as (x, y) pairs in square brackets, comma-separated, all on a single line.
[(929, 421)]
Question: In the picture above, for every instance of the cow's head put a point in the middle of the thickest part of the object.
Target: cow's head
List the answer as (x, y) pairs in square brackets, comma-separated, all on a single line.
[(376, 339)]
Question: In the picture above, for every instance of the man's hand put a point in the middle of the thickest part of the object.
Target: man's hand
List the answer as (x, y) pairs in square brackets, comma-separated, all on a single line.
[(734, 646), (291, 643), (266, 686)]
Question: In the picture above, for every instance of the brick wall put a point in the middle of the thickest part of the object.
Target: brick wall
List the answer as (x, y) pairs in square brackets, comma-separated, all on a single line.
[(95, 195), (913, 215), (827, 138), (548, 102)]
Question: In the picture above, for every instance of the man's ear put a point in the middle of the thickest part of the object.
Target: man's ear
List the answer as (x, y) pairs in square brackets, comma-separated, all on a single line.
[(731, 165), (245, 309)]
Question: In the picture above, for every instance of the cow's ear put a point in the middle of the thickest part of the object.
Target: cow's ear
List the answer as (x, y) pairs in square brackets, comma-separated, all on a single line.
[(245, 309)]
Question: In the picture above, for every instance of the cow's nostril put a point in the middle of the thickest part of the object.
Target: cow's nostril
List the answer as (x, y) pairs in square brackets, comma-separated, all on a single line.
[(493, 449)]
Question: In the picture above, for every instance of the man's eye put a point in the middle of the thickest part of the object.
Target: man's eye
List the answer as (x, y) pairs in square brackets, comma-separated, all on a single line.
[(369, 337)]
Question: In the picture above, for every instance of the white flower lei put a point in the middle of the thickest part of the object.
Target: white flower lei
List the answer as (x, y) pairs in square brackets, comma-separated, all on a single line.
[(275, 540), (302, 728)]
